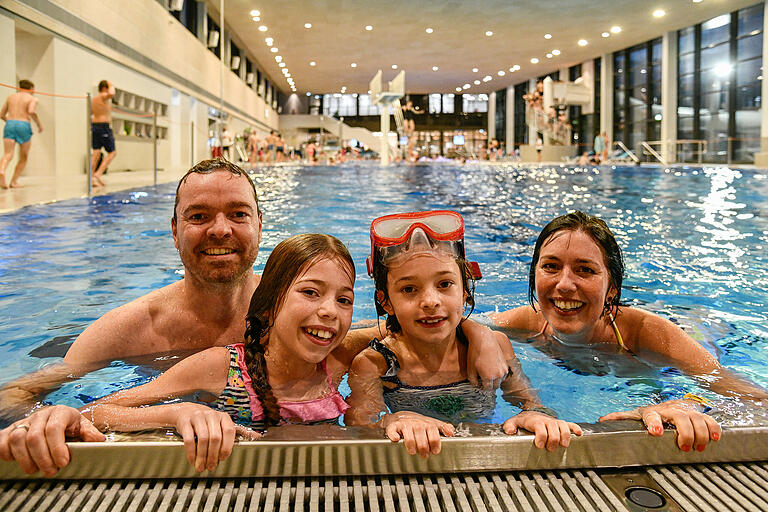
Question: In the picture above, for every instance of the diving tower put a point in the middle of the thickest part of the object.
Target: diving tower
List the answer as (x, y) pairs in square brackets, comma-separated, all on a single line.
[(388, 99)]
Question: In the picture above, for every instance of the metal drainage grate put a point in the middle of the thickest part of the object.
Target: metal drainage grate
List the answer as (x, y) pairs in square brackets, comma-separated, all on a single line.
[(716, 488)]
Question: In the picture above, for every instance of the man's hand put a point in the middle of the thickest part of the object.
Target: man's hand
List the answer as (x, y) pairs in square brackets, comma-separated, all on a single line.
[(694, 429), (38, 441)]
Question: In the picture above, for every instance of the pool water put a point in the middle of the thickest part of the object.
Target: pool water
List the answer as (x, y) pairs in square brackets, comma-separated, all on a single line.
[(695, 242)]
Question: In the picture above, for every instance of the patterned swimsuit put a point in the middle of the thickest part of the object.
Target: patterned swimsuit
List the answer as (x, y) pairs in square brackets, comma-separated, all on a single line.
[(239, 400), (453, 403)]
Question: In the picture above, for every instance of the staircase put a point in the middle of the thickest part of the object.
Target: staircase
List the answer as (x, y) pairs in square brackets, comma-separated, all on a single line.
[(557, 132), (333, 126)]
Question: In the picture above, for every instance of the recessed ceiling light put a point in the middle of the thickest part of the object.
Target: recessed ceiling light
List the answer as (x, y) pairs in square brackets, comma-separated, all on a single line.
[(697, 1), (255, 12), (353, 65), (256, 18), (281, 64), (488, 33), (477, 82), (501, 73), (274, 49), (307, 25), (458, 89), (582, 42), (309, 94), (466, 86), (313, 63), (658, 13), (606, 34), (549, 55), (435, 68), (429, 30), (547, 36), (262, 28), (615, 29), (394, 66), (278, 58), (475, 70), (368, 28), (269, 41), (487, 78), (534, 60), (555, 52)]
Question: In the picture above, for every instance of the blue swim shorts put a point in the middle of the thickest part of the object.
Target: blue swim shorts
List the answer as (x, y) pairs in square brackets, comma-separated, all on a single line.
[(20, 131)]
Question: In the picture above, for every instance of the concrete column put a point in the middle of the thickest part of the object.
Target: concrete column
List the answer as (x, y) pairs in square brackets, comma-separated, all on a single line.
[(510, 124), (588, 77), (491, 116), (606, 96), (668, 95), (761, 158), (532, 133)]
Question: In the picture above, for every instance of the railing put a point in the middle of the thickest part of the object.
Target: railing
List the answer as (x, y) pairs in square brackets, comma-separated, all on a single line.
[(673, 146), (629, 153), (554, 129), (650, 151)]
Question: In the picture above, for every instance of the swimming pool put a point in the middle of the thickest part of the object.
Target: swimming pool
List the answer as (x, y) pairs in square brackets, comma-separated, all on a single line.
[(694, 240)]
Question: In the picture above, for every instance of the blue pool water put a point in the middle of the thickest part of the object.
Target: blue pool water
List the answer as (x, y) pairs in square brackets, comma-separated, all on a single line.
[(694, 239)]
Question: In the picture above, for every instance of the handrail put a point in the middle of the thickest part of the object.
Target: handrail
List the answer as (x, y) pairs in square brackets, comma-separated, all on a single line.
[(653, 152), (672, 145), (627, 151)]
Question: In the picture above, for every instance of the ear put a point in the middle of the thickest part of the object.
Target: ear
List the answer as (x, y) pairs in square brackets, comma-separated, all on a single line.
[(384, 302), (611, 294), (174, 233)]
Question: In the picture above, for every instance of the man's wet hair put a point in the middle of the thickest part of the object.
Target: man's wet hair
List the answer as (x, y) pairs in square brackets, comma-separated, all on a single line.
[(209, 166), (103, 85), (26, 84)]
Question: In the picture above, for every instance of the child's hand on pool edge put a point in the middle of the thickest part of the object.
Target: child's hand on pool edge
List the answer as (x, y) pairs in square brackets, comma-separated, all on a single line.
[(549, 432), (208, 435), (420, 434), (694, 428)]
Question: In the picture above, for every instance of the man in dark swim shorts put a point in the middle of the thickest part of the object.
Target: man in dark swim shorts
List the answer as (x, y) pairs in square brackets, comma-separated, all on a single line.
[(101, 130)]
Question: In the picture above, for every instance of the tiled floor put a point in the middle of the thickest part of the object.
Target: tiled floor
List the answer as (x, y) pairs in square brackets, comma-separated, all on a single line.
[(43, 189)]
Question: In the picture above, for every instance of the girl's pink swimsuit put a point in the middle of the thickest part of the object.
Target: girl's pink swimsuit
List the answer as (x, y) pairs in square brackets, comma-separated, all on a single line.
[(240, 401)]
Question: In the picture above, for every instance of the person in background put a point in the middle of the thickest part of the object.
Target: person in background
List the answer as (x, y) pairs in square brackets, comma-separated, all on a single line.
[(18, 110), (253, 147), (227, 140), (101, 130), (599, 146)]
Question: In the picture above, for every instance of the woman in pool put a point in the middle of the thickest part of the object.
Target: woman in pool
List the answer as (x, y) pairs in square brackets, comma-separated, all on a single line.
[(574, 290), (286, 371), (419, 371)]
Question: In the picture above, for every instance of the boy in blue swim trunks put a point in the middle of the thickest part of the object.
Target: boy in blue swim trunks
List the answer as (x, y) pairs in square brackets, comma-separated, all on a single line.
[(17, 111)]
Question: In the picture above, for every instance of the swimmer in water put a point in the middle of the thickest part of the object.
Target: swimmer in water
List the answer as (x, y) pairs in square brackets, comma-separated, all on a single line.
[(418, 372), (284, 372), (574, 290), (18, 110)]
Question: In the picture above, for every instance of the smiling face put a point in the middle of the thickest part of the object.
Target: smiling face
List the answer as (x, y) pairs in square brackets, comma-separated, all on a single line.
[(427, 296), (218, 228), (572, 284), (316, 311)]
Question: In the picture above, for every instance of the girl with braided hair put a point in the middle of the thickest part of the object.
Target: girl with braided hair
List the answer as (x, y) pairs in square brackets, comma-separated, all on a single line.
[(285, 371)]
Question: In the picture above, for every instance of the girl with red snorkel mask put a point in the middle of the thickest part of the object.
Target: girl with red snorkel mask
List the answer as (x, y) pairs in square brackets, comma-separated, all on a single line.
[(419, 371)]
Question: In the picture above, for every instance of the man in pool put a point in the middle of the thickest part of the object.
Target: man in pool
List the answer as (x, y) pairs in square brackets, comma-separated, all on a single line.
[(216, 228)]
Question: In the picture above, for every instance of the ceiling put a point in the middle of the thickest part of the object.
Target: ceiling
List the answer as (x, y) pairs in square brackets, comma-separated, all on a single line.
[(457, 44)]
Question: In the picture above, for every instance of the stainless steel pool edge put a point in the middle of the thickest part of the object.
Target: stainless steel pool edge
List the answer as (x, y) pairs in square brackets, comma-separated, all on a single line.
[(339, 451)]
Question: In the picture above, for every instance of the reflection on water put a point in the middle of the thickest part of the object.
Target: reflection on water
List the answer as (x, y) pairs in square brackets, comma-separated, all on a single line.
[(694, 240)]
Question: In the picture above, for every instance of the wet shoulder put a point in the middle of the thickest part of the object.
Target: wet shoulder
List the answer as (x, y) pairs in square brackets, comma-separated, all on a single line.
[(522, 318)]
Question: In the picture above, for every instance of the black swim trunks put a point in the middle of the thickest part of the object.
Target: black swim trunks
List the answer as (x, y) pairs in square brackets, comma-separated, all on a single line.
[(101, 137)]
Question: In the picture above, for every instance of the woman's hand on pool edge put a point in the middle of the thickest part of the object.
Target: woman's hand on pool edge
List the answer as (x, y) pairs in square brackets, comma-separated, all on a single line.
[(38, 441), (420, 434), (208, 435), (694, 429), (549, 432)]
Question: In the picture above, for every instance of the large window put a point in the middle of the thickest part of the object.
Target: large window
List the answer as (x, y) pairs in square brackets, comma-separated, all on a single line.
[(521, 128), (187, 16), (501, 116), (339, 105), (637, 94), (366, 108), (719, 77), (474, 103), (441, 103)]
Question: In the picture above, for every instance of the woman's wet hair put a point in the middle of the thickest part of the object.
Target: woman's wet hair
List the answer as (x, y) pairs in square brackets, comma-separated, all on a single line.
[(380, 273), (209, 166), (289, 260), (598, 231)]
